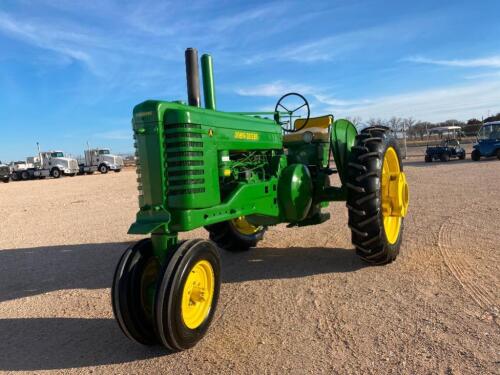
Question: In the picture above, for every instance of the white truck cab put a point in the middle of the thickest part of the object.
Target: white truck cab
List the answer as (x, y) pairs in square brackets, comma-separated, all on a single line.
[(103, 160), (57, 164)]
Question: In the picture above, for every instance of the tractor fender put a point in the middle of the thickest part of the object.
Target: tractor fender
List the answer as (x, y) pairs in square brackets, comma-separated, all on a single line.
[(342, 138), (295, 190)]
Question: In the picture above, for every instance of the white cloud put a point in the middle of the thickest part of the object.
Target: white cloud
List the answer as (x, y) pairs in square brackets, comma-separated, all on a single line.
[(485, 62), (57, 40), (462, 102), (439, 104), (276, 89)]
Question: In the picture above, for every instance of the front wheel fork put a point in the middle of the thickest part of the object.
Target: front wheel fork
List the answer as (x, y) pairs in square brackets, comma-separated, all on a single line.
[(162, 244)]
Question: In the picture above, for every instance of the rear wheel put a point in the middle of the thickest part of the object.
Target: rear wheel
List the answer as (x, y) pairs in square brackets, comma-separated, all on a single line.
[(187, 294), (236, 235), (428, 158), (377, 196), (25, 175), (462, 156), (498, 154), (132, 292), (475, 155), (6, 180)]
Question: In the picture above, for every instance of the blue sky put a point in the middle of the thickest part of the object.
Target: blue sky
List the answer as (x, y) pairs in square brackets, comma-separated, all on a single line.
[(71, 71)]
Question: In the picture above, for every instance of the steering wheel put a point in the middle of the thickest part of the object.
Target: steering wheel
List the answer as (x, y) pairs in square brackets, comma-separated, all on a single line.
[(287, 126)]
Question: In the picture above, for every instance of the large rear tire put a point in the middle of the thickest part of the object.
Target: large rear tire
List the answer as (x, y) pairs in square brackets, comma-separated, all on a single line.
[(187, 293), (236, 235), (377, 196)]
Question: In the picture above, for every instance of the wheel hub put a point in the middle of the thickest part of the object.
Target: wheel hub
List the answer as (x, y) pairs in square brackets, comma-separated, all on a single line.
[(198, 294), (395, 196)]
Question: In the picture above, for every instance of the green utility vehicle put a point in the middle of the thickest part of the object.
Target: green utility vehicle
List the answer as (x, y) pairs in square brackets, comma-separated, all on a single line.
[(236, 174)]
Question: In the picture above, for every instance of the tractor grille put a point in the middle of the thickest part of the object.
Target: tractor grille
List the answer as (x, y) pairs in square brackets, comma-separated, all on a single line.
[(184, 157), (138, 169)]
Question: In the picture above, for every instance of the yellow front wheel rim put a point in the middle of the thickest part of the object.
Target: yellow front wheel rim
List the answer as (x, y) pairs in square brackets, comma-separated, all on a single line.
[(394, 194), (242, 225), (198, 294)]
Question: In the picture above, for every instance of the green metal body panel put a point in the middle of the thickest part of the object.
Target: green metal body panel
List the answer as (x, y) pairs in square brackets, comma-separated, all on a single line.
[(198, 167)]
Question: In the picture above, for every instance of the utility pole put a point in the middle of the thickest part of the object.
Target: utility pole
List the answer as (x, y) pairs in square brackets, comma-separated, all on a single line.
[(404, 137)]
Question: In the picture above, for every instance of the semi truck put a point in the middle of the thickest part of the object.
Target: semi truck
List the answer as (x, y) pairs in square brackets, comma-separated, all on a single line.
[(100, 159), (47, 163)]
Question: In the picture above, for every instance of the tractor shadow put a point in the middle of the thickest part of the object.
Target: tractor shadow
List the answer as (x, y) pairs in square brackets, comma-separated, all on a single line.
[(285, 263), (35, 344)]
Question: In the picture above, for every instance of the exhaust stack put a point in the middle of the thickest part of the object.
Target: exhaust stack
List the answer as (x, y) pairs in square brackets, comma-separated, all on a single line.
[(192, 77)]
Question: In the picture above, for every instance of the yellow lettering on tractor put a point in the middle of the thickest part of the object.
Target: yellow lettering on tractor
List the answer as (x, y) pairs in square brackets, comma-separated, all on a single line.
[(246, 135)]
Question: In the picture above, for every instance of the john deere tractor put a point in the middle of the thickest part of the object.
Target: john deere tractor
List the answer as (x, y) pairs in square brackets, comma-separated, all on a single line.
[(236, 174)]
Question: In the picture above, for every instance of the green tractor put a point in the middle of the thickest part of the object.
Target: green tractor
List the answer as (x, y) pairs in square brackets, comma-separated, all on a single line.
[(236, 174)]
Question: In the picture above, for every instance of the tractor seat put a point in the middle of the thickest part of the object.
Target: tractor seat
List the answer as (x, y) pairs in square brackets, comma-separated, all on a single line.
[(318, 126)]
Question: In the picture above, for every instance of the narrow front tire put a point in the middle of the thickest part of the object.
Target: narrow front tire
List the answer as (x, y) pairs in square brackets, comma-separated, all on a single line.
[(187, 293)]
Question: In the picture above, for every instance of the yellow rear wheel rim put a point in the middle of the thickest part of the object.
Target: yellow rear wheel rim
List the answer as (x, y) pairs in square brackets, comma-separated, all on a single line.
[(242, 225), (394, 194), (198, 294)]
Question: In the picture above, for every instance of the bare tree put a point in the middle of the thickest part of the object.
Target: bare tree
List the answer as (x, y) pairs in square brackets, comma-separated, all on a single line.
[(356, 120), (395, 123), (376, 122)]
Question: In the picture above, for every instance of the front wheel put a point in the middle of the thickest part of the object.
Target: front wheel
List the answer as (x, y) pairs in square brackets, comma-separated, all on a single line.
[(498, 154), (25, 175), (377, 196), (187, 294), (55, 173), (475, 155), (6, 180), (103, 168), (236, 235), (428, 158), (135, 277)]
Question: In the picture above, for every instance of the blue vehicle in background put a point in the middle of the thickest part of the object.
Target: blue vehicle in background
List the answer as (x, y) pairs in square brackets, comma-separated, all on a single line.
[(488, 141), (449, 146)]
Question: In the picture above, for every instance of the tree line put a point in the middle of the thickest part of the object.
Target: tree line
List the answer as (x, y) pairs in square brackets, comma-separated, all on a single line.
[(418, 129)]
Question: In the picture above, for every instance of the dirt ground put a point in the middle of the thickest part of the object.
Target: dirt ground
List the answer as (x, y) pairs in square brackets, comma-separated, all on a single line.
[(300, 303)]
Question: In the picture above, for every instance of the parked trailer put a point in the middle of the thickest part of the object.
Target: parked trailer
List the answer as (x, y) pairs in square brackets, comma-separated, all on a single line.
[(100, 159), (48, 163)]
